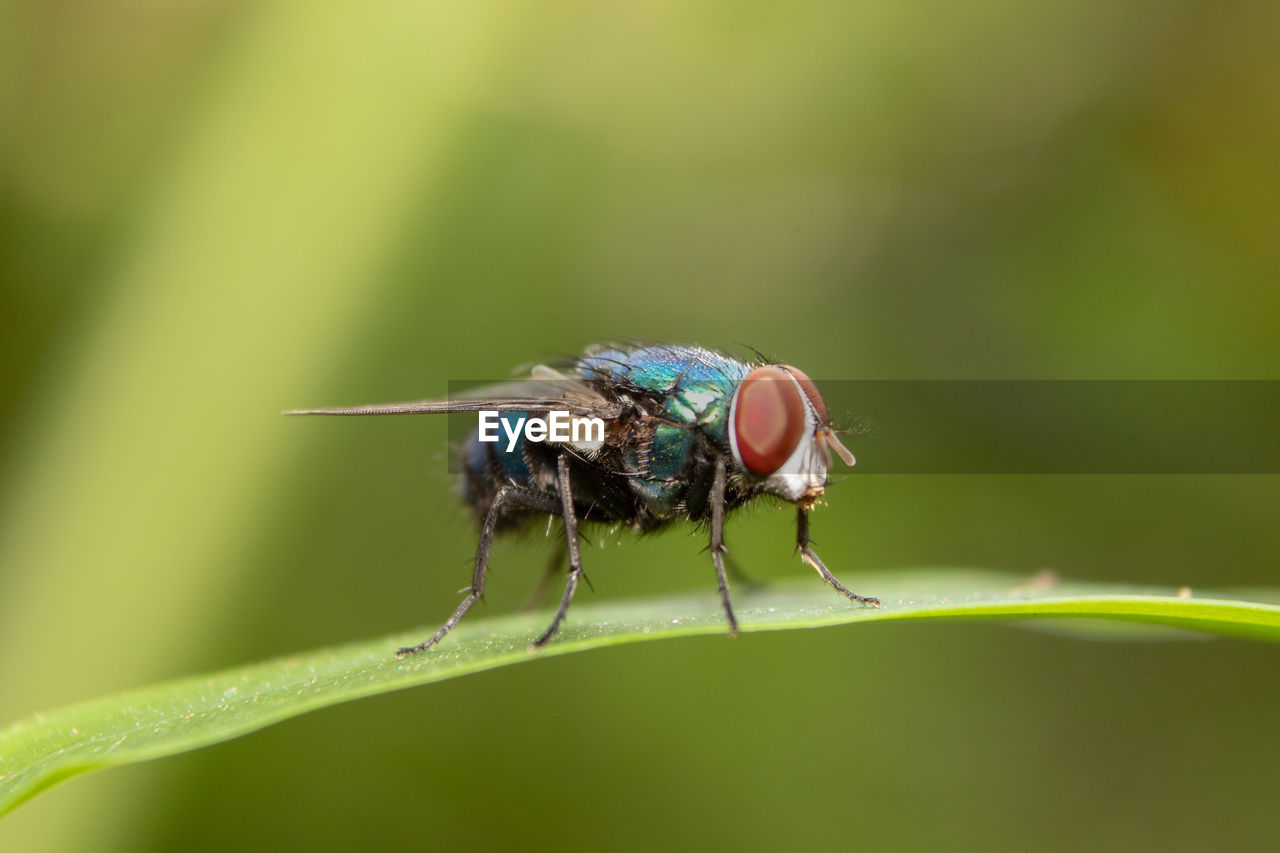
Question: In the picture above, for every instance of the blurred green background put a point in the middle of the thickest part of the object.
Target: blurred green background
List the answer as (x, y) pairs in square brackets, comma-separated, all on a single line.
[(212, 211)]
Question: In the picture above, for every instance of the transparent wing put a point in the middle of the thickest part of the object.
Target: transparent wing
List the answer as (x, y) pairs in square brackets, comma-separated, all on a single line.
[(539, 394)]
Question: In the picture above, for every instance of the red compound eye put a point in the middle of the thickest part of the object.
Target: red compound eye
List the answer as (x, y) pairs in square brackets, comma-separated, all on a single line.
[(768, 419), (811, 391)]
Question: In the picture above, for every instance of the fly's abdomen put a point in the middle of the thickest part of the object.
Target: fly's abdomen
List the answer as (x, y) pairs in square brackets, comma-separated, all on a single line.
[(487, 466)]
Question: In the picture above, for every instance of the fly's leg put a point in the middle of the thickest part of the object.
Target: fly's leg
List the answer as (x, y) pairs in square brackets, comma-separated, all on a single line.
[(507, 496), (717, 540), (739, 576), (807, 554), (571, 541), (552, 569)]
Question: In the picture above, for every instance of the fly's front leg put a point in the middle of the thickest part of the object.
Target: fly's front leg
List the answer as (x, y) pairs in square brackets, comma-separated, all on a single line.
[(717, 539), (807, 554), (508, 495), (571, 542)]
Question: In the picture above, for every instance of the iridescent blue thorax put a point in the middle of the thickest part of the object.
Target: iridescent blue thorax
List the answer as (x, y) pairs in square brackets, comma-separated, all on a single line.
[(692, 388), (694, 384)]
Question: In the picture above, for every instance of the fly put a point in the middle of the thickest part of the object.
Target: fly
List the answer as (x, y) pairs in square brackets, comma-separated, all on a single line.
[(689, 434)]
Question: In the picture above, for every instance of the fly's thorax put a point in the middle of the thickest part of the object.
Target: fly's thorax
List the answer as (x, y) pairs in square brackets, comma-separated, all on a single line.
[(780, 433)]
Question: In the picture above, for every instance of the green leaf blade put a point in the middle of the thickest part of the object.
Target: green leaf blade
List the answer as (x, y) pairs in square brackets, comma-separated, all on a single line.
[(173, 717)]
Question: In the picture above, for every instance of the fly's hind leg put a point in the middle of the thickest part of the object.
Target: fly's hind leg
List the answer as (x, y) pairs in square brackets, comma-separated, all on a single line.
[(507, 497), (807, 554), (571, 543)]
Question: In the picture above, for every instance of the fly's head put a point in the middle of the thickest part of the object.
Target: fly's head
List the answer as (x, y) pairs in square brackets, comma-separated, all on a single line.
[(780, 433)]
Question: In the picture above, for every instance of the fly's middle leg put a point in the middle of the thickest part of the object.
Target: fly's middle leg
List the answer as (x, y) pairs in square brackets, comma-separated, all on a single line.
[(716, 497), (571, 542)]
